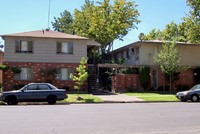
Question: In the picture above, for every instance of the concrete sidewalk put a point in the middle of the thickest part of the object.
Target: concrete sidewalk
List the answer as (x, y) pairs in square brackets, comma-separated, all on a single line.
[(119, 98)]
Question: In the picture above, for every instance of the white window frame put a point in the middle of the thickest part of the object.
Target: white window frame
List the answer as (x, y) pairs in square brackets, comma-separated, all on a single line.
[(65, 47), (24, 46), (64, 74), (26, 74)]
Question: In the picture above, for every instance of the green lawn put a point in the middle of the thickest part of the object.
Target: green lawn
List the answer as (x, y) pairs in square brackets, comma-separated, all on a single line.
[(87, 98), (154, 96)]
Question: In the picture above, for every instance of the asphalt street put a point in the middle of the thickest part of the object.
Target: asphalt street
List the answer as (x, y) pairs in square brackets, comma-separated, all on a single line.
[(123, 118)]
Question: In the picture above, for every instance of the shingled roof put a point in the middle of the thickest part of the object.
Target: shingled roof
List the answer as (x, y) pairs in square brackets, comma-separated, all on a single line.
[(45, 34)]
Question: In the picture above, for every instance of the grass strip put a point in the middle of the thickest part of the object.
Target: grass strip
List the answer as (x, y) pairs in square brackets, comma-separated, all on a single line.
[(86, 98), (154, 96)]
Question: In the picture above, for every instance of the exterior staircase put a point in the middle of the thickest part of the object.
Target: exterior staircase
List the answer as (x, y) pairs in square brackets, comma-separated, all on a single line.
[(92, 78), (95, 87)]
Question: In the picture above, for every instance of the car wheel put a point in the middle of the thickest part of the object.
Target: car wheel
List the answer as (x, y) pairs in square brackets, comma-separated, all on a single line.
[(51, 100), (11, 100), (194, 98)]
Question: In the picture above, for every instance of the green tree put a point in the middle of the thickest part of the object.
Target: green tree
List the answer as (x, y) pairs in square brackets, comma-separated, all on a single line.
[(187, 31), (81, 76), (193, 21), (182, 30), (106, 22), (154, 34), (103, 21), (140, 36), (63, 23), (169, 60), (195, 8), (172, 31)]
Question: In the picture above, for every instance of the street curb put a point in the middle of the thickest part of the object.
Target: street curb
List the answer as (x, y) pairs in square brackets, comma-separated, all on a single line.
[(139, 101), (105, 102)]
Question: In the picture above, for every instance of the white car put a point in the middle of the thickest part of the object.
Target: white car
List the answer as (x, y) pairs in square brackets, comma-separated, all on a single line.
[(34, 92)]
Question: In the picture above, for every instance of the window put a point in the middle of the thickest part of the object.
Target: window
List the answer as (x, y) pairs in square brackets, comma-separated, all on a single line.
[(127, 54), (22, 46), (43, 87), (26, 74), (64, 73), (122, 55), (137, 53), (64, 47), (32, 87)]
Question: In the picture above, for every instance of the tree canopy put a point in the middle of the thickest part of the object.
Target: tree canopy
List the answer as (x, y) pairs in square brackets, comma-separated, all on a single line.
[(168, 58), (193, 21), (102, 21), (187, 31), (171, 32), (63, 23)]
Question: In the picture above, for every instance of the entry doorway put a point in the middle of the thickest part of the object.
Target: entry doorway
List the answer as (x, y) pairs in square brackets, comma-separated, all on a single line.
[(155, 79)]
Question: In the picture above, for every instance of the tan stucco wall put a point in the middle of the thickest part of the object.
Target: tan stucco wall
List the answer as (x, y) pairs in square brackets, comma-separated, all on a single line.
[(44, 50), (189, 54), (147, 52)]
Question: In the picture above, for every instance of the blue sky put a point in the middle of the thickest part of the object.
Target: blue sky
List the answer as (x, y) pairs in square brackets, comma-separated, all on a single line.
[(29, 15)]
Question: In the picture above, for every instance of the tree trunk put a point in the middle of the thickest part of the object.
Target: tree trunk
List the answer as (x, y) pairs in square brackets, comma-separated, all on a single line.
[(173, 86), (164, 84), (170, 82)]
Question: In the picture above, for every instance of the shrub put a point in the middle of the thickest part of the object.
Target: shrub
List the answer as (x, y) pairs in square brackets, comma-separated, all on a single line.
[(4, 67), (1, 87), (16, 70)]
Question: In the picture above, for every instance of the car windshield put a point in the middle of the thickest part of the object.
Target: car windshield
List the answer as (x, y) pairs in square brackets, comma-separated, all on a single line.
[(23, 87), (195, 87)]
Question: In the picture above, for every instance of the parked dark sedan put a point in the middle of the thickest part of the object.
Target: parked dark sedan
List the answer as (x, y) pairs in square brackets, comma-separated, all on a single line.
[(193, 94), (34, 92)]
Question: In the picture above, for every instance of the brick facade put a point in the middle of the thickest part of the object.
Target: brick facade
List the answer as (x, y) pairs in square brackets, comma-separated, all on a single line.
[(9, 82), (125, 82), (1, 61), (186, 78), (131, 82)]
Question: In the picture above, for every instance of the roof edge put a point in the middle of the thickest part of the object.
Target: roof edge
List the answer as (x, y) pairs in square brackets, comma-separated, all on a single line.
[(45, 34), (151, 41)]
